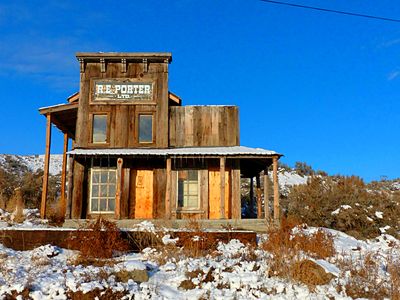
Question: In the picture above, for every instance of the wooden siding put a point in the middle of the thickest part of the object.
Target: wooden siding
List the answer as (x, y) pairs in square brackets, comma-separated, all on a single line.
[(192, 126), (214, 194), (122, 125)]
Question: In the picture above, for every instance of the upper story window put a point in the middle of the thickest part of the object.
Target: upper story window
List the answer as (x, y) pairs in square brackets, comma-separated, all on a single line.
[(99, 129), (188, 189), (145, 128)]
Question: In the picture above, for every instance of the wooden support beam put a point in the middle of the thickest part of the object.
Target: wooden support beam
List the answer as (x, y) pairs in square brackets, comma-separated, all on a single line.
[(118, 192), (222, 161), (46, 168), (64, 175), (276, 189), (235, 191), (258, 191), (168, 190), (266, 195), (251, 195), (70, 187)]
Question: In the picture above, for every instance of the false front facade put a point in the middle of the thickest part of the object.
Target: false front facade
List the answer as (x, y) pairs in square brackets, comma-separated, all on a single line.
[(137, 153)]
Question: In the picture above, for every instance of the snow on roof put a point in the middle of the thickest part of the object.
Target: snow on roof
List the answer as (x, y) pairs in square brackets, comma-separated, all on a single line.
[(223, 151)]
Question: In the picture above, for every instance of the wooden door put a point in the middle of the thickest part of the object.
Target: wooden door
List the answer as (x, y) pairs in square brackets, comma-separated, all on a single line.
[(214, 194), (143, 194)]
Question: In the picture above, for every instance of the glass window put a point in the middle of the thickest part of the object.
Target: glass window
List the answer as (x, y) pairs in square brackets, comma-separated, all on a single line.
[(188, 189), (145, 128), (102, 190), (99, 132)]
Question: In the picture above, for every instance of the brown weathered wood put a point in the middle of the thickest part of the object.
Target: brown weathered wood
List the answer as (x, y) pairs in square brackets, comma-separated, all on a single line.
[(222, 186), (168, 190), (235, 190), (266, 195), (258, 192), (46, 168), (125, 193), (70, 185), (144, 194), (77, 190), (251, 195), (276, 189), (159, 186), (64, 175), (204, 192), (118, 192)]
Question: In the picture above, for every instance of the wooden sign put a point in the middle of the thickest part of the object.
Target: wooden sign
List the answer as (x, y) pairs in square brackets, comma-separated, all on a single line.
[(122, 90)]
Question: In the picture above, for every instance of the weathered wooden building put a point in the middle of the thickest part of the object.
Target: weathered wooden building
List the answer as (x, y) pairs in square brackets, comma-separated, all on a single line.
[(137, 153)]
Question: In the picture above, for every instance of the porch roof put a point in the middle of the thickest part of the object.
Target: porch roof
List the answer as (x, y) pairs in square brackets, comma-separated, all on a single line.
[(232, 151)]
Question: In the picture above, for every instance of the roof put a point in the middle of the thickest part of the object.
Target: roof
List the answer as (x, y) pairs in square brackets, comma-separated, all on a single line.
[(187, 151), (152, 56)]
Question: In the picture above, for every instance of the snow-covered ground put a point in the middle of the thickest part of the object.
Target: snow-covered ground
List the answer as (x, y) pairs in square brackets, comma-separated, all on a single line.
[(233, 271)]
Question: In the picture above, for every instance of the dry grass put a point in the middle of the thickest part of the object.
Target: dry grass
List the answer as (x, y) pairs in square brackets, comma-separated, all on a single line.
[(287, 248), (365, 279), (99, 239), (18, 204), (55, 214), (107, 294)]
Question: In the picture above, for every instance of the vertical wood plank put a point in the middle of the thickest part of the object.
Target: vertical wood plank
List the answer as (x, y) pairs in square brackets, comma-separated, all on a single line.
[(236, 197), (125, 193), (46, 168), (168, 190), (70, 186), (132, 193), (204, 192), (118, 192), (222, 161), (144, 194), (77, 190), (276, 188), (64, 175), (266, 195), (258, 192)]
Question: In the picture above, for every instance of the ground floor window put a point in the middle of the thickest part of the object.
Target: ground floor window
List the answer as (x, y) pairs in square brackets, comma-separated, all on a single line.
[(102, 190), (188, 189)]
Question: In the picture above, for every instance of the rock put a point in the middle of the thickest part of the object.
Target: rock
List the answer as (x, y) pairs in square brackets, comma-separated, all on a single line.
[(310, 273)]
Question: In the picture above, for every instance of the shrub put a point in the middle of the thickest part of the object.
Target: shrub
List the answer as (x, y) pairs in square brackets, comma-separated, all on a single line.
[(98, 239), (346, 204)]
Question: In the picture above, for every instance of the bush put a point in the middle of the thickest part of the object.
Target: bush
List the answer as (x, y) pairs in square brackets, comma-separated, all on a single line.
[(99, 239), (346, 204)]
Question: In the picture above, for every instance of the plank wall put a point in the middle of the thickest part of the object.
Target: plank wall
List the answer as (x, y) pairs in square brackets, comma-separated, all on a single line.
[(192, 126)]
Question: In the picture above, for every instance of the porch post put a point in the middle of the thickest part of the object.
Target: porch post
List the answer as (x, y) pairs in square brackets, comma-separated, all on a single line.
[(46, 168), (266, 195), (119, 188), (64, 175), (258, 191), (276, 188), (222, 184), (251, 197), (168, 190), (70, 187)]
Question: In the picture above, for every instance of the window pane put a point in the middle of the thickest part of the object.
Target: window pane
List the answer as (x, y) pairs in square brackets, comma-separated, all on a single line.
[(99, 129), (145, 128), (103, 191), (95, 176), (111, 204), (95, 191), (95, 205), (104, 177), (111, 177), (111, 190), (103, 204)]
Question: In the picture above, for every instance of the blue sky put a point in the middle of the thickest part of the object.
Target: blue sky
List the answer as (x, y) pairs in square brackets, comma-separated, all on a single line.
[(318, 87)]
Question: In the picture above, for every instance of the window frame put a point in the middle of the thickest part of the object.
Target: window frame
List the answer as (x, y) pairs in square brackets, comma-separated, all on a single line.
[(152, 128), (108, 169), (92, 116), (187, 208)]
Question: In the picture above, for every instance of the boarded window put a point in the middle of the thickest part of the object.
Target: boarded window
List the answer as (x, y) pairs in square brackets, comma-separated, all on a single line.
[(102, 190), (145, 128), (99, 129), (188, 189)]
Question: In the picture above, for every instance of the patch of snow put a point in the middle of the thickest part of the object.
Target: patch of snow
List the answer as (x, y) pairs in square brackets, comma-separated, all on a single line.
[(379, 214)]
